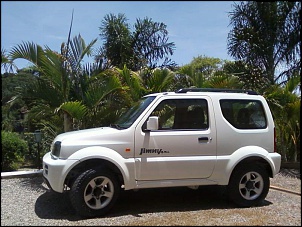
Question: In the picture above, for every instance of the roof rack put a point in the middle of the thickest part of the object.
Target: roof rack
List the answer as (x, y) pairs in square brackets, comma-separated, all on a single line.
[(185, 90)]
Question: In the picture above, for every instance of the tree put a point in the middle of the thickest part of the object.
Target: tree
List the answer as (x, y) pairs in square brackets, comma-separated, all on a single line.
[(6, 64), (285, 105), (47, 90), (150, 44), (68, 88), (14, 107), (250, 77), (58, 76), (159, 80), (104, 96), (145, 47), (117, 41), (133, 81), (207, 72), (266, 35)]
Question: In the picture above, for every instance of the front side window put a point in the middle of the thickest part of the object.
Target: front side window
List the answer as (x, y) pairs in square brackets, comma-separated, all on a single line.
[(184, 114), (244, 114)]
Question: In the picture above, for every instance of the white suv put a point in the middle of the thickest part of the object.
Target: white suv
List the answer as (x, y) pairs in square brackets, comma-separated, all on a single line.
[(191, 137)]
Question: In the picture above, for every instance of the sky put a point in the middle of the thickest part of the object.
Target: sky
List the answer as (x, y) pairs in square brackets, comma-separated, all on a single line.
[(197, 28)]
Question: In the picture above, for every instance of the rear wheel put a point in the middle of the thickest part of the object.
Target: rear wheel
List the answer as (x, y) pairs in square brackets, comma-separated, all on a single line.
[(248, 186), (94, 192)]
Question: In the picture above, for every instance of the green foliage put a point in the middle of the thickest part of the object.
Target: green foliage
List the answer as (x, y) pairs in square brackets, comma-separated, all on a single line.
[(14, 149), (14, 101), (209, 72), (132, 80), (266, 35), (160, 80), (145, 47), (74, 109), (13, 83), (206, 65), (250, 77), (117, 40), (6, 64), (36, 151), (285, 105)]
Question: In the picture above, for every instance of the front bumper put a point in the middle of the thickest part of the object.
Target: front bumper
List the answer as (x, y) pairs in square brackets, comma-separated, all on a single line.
[(55, 171)]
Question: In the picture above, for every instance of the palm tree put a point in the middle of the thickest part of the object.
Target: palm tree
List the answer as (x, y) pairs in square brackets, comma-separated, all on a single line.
[(189, 76), (104, 98), (221, 79), (249, 77), (145, 47), (59, 77), (159, 80), (46, 92), (266, 35), (133, 81)]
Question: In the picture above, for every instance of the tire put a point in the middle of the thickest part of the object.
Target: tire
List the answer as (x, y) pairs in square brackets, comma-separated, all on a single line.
[(248, 186), (94, 192)]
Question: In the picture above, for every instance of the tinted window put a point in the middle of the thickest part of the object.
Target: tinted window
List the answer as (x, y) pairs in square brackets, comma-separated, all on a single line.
[(182, 114), (244, 114)]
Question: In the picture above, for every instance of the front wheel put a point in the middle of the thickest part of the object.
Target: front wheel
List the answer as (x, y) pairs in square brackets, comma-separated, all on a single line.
[(248, 186), (94, 192)]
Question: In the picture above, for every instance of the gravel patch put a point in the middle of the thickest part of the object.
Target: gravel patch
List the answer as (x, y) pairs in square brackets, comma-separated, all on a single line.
[(29, 202)]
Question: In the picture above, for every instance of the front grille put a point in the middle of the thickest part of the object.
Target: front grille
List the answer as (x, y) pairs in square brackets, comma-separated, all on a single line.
[(45, 169)]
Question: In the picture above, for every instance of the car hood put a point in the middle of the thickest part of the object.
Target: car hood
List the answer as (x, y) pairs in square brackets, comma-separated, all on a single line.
[(105, 137)]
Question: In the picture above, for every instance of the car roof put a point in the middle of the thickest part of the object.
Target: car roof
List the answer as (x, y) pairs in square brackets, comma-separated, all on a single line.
[(208, 91)]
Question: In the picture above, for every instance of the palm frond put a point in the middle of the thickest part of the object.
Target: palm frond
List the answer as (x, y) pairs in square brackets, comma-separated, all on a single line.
[(28, 51), (75, 109), (78, 50), (100, 87)]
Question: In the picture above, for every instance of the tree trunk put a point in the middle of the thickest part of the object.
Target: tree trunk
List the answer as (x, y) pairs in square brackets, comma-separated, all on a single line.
[(67, 122)]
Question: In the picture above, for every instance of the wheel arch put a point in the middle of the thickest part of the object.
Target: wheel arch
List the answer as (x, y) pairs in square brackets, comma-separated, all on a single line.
[(246, 155), (93, 157), (92, 163), (256, 160)]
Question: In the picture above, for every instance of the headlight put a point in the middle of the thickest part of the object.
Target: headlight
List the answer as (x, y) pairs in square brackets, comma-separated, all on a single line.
[(56, 149)]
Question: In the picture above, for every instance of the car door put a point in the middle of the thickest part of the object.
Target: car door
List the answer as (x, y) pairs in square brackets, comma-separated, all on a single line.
[(184, 146)]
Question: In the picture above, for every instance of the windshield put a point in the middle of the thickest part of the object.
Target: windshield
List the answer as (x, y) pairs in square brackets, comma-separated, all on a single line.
[(133, 113)]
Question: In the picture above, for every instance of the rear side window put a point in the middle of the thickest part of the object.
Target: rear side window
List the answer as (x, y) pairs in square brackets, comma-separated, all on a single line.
[(244, 114)]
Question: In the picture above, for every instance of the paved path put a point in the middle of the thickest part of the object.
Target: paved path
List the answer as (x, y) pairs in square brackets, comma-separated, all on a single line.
[(23, 173)]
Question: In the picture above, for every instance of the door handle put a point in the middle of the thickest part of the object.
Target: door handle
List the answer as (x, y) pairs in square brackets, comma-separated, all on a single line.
[(204, 139)]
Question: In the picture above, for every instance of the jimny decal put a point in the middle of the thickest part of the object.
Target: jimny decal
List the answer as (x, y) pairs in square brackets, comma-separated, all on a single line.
[(153, 151)]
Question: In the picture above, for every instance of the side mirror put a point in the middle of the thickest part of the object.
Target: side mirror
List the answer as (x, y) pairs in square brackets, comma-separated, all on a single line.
[(152, 124)]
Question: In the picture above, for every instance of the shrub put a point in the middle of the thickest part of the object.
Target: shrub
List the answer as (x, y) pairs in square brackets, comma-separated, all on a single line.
[(14, 149)]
